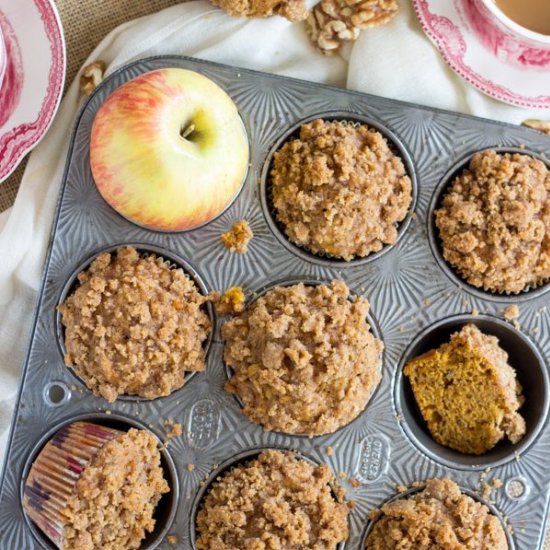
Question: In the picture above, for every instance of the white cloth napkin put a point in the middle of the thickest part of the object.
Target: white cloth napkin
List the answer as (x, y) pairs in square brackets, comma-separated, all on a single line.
[(396, 61)]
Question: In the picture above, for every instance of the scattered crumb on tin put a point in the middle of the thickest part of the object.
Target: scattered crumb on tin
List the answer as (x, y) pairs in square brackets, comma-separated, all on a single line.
[(516, 324), (172, 429), (329, 451), (400, 488), (230, 302), (475, 312), (172, 540), (426, 302), (342, 475), (190, 467), (511, 312), (238, 237), (354, 482)]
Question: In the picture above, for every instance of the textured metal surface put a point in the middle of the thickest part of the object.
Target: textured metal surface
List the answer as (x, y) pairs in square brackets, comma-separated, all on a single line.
[(406, 286)]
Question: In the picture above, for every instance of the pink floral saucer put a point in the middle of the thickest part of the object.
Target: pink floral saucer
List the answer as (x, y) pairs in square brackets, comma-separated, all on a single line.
[(455, 30), (34, 74)]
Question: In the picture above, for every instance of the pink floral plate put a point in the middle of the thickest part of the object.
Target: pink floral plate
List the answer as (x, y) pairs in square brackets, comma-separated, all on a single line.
[(33, 57), (485, 61)]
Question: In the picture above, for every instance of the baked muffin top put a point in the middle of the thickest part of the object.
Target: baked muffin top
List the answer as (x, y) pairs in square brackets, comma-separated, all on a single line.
[(303, 357), (494, 222), (134, 326), (274, 501), (114, 500), (339, 190), (440, 517)]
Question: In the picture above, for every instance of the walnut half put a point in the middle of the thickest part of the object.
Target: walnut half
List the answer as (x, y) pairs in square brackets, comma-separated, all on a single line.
[(540, 125), (91, 76), (333, 22)]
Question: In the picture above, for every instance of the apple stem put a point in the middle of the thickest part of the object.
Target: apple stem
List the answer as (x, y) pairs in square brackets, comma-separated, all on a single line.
[(187, 131)]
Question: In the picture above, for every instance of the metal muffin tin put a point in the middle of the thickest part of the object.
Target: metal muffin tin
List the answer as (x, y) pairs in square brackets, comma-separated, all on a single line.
[(415, 301)]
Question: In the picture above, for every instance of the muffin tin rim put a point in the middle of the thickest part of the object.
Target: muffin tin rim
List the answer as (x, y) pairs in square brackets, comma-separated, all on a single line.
[(398, 381), (103, 418), (170, 256), (434, 240), (394, 141), (374, 328)]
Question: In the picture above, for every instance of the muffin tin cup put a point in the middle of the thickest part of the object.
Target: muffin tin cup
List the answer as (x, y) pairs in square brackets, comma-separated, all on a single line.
[(468, 492), (174, 261), (56, 462), (397, 147), (531, 291), (374, 328), (531, 373), (238, 460)]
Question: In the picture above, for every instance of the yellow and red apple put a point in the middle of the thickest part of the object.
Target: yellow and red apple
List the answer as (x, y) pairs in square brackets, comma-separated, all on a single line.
[(168, 150)]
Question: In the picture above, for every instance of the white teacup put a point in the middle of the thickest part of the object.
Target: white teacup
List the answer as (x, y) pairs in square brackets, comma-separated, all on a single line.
[(508, 40)]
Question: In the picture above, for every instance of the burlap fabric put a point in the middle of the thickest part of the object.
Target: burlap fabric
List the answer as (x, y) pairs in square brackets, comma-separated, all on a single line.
[(85, 23)]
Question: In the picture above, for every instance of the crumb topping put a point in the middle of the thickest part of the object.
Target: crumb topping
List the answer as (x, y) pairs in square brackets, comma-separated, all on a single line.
[(293, 10), (114, 499), (440, 517), (339, 190), (273, 501), (134, 326), (238, 237), (494, 222), (303, 357)]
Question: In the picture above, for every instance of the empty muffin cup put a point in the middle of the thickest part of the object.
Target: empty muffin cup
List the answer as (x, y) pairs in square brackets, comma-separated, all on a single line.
[(206, 313), (531, 374), (91, 485), (530, 290), (278, 227), (303, 473)]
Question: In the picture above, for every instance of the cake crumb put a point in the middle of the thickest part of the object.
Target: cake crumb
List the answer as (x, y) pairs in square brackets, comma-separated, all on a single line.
[(400, 488), (511, 312), (475, 312), (238, 237), (190, 467), (427, 302), (230, 302), (354, 482), (172, 540), (172, 429), (517, 324), (342, 475), (329, 451)]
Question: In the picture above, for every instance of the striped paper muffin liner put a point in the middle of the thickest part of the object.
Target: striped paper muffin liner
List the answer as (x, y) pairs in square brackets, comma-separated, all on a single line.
[(56, 470)]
